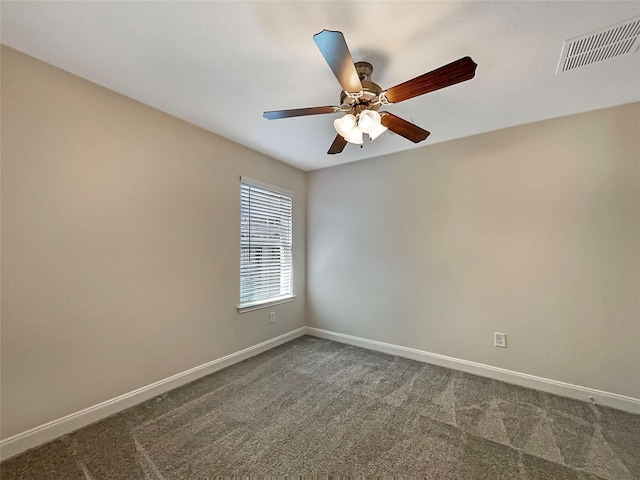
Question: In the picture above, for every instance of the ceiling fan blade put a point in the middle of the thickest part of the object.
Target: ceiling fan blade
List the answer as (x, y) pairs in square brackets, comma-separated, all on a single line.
[(455, 72), (334, 49), (338, 145), (298, 112), (406, 129)]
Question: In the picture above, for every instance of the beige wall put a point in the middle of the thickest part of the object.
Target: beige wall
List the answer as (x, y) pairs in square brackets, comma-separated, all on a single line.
[(120, 245), (533, 231)]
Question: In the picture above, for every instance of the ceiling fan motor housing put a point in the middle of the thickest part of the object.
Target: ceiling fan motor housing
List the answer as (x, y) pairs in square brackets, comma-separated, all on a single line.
[(370, 91)]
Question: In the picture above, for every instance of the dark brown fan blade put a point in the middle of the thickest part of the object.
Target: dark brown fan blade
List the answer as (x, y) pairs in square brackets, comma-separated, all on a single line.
[(456, 72), (407, 129), (298, 112), (338, 145), (334, 49)]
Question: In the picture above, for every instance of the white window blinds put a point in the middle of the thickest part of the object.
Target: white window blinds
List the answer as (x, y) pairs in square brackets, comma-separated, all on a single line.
[(265, 243)]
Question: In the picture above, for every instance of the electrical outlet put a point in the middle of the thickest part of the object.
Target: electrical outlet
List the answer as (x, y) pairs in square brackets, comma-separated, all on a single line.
[(500, 339), (272, 317)]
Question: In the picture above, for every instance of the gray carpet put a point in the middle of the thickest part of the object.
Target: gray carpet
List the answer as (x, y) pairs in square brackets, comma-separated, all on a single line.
[(315, 407)]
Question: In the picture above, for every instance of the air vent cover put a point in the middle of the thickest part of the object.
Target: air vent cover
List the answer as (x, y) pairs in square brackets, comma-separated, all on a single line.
[(609, 42)]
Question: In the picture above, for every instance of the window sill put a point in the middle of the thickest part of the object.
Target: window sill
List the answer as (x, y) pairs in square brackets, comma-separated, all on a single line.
[(248, 307)]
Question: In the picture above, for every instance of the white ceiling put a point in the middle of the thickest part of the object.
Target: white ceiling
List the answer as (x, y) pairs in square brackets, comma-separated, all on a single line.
[(219, 65)]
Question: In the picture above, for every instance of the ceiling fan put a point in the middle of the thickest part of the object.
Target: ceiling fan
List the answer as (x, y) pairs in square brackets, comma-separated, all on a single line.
[(361, 98)]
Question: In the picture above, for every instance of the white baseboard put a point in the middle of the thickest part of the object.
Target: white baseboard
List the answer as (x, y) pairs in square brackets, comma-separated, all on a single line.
[(44, 433), (49, 431), (599, 397)]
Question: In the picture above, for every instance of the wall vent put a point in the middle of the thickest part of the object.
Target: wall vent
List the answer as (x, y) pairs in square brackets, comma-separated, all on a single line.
[(613, 41)]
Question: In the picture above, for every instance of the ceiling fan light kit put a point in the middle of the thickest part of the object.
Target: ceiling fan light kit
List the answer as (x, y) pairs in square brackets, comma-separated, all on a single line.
[(361, 98), (351, 127)]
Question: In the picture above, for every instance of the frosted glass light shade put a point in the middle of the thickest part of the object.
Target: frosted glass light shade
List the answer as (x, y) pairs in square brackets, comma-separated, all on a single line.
[(355, 136), (377, 131), (345, 125), (369, 120)]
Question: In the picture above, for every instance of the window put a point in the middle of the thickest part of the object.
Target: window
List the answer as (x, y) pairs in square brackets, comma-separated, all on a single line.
[(266, 222)]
